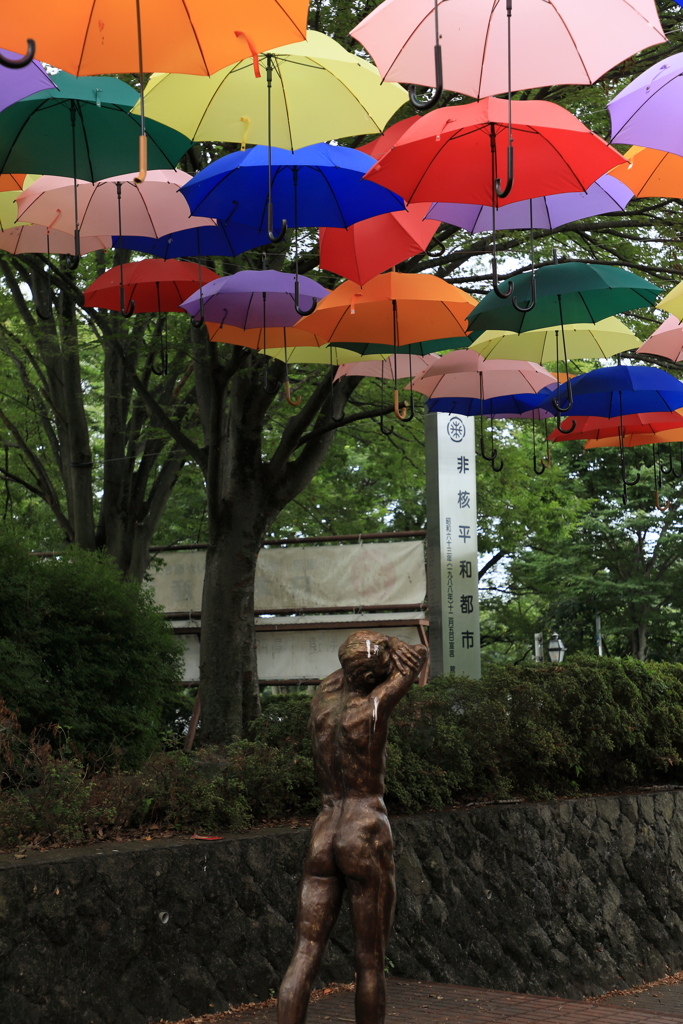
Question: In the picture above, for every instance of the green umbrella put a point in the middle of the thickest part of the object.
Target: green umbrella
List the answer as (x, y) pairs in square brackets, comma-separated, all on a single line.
[(82, 129), (566, 293), (419, 348)]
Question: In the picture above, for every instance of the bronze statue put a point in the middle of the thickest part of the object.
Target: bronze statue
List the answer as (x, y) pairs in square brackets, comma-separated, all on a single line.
[(351, 845)]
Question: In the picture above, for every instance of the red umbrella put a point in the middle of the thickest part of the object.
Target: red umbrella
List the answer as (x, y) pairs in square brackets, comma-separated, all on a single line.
[(150, 286), (454, 154), (369, 247), (593, 428)]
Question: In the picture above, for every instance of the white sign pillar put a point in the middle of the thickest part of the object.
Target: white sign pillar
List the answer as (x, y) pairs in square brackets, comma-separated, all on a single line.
[(452, 575)]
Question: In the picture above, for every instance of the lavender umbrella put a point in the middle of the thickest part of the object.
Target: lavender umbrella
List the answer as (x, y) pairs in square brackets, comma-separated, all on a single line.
[(17, 83), (252, 298), (606, 195), (647, 112)]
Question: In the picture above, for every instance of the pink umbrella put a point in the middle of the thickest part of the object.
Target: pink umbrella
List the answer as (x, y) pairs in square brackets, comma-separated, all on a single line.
[(552, 42), (392, 368), (666, 341), (112, 206), (464, 374), (36, 238)]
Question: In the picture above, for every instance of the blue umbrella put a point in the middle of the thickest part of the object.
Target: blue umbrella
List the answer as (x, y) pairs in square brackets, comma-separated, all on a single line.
[(316, 186), (619, 391), (225, 239)]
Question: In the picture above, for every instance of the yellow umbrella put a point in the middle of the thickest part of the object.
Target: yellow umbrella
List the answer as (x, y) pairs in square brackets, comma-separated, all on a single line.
[(584, 341), (673, 301), (318, 91), (8, 206)]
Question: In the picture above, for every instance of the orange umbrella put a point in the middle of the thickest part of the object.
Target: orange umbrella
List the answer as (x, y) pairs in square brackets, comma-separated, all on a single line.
[(11, 182), (264, 341), (194, 37), (634, 440), (651, 173), (392, 309)]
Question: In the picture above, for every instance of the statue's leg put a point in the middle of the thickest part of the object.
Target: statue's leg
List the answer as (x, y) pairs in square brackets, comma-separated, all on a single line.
[(372, 898), (320, 898)]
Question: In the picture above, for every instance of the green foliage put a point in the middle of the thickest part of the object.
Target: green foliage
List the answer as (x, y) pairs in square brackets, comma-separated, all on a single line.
[(88, 650)]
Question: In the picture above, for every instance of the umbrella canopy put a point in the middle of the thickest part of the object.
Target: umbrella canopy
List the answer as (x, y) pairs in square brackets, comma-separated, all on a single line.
[(467, 375), (583, 341), (254, 298), (221, 239), (323, 356), (651, 173), (9, 215), (196, 37), (12, 182), (606, 195), (503, 407), (153, 207), (587, 428), (620, 390), (637, 439), (566, 293), (369, 247), (418, 348), (83, 129), (17, 83), (554, 42), (314, 186), (319, 91), (273, 339), (35, 238), (155, 286), (396, 309), (666, 341), (452, 154), (673, 301), (645, 113), (397, 368)]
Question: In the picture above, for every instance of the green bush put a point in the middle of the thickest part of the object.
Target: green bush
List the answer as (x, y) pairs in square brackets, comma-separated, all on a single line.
[(84, 648)]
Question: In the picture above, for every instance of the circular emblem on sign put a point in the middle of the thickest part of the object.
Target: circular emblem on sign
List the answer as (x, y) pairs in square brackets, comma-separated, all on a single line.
[(456, 428)]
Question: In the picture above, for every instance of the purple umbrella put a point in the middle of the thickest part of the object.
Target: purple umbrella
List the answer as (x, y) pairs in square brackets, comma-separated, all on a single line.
[(19, 82), (253, 298), (606, 195), (647, 112)]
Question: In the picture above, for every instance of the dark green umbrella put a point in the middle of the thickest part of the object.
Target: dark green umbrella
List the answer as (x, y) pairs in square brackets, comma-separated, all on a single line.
[(82, 129), (419, 348)]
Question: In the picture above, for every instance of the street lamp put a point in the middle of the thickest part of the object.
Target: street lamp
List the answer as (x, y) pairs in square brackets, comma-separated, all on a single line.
[(556, 649)]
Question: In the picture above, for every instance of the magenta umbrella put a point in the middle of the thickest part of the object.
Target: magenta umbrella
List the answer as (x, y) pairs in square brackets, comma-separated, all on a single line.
[(552, 42), (544, 213), (17, 82), (666, 341), (647, 112)]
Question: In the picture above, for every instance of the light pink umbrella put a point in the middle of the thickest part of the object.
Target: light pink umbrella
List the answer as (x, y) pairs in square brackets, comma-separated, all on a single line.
[(152, 208), (666, 341), (464, 374), (392, 367), (36, 238), (553, 42)]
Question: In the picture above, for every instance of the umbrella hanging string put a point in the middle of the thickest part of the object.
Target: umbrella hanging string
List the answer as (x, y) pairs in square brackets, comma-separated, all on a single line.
[(77, 227)]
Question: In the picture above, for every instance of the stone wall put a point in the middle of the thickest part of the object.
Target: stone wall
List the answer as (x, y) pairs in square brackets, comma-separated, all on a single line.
[(569, 898)]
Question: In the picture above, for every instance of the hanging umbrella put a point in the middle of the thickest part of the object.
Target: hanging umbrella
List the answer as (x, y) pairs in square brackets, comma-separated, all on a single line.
[(318, 91), (650, 173), (9, 214), (621, 390), (253, 298), (552, 42), (371, 246), (666, 341), (635, 440), (592, 428), (18, 82), (417, 348), (606, 195), (221, 239), (12, 182), (194, 37), (673, 301), (155, 286), (279, 339), (25, 238), (582, 341), (402, 367), (645, 112)]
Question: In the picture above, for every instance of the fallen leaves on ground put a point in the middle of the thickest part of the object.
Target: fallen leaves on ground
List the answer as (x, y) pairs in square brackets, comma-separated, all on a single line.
[(225, 1015), (670, 979)]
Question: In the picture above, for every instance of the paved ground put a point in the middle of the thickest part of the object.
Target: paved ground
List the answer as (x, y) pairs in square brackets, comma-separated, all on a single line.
[(412, 1002)]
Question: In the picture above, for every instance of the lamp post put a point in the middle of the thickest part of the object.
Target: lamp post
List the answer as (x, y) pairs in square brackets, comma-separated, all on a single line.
[(556, 649)]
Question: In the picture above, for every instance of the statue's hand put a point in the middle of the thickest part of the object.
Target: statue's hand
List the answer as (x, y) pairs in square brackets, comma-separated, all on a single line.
[(408, 660)]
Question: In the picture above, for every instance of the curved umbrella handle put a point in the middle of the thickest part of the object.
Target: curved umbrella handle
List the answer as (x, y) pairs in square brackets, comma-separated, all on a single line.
[(632, 483), (661, 508), (271, 234), (400, 410), (532, 303), (22, 62), (499, 292), (288, 395), (563, 408), (569, 430), (438, 91), (301, 312), (541, 471), (502, 193), (126, 313), (142, 159)]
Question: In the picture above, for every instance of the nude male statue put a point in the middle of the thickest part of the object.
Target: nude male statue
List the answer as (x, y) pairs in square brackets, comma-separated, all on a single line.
[(351, 845)]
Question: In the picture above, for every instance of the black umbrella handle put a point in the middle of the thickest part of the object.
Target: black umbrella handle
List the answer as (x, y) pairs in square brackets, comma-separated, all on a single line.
[(432, 102), (22, 62)]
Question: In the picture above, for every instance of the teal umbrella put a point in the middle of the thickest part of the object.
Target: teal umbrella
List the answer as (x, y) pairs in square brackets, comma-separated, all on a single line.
[(563, 293), (83, 129), (419, 348)]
